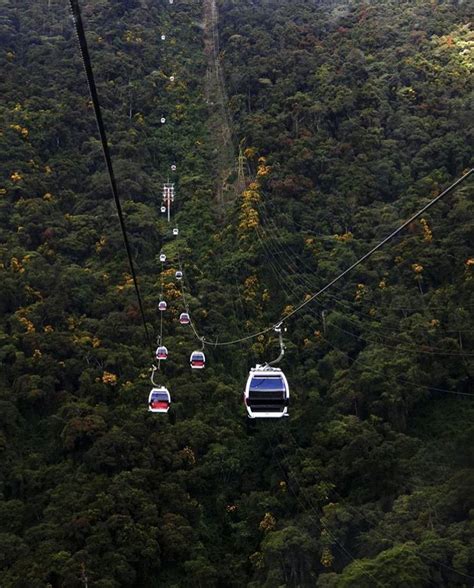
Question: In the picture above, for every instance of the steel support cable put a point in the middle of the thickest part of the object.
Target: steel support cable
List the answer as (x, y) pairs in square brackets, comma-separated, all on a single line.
[(299, 280), (366, 366), (280, 248), (309, 504), (268, 206), (351, 267), (77, 18), (284, 283), (385, 535)]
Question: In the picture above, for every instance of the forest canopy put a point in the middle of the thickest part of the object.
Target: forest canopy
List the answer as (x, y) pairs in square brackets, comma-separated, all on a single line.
[(303, 132)]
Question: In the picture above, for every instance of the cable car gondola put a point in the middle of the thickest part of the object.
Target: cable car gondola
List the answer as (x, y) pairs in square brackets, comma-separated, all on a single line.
[(176, 231), (162, 257), (173, 167), (163, 37), (161, 352), (267, 393), (159, 400), (197, 360), (162, 120), (178, 275), (163, 209), (184, 318), (162, 306)]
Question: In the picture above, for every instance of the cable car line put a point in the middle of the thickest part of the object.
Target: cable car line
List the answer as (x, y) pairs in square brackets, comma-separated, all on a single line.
[(369, 368), (351, 267), (270, 378), (304, 282), (283, 284), (318, 515), (77, 18), (304, 230), (280, 249), (383, 535), (284, 251)]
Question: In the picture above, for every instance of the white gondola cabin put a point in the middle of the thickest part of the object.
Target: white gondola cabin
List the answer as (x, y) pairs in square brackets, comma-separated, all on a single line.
[(178, 275), (173, 167), (163, 209), (197, 360), (163, 37), (175, 231), (162, 306), (184, 318), (267, 393), (162, 257), (161, 352), (159, 400)]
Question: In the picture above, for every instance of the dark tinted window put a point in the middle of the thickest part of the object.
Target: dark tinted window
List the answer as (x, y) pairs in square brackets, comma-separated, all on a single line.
[(267, 384), (161, 396)]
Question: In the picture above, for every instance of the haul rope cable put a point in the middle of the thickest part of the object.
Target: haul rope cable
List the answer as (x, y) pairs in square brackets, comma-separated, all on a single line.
[(280, 248), (383, 535), (300, 280), (464, 354), (339, 300), (350, 268), (311, 506), (76, 15), (368, 367), (283, 285), (339, 544), (278, 270), (308, 230)]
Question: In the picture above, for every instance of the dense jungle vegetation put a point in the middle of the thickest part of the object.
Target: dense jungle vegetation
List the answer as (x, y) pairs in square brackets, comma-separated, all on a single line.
[(346, 117)]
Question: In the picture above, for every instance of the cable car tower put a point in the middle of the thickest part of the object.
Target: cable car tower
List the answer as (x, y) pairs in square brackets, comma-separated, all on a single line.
[(168, 198)]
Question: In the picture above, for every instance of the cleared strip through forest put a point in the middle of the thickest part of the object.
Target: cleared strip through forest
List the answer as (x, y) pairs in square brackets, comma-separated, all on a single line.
[(216, 98)]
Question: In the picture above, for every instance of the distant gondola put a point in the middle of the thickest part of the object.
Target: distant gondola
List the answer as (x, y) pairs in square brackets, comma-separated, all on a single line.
[(184, 318), (162, 306), (162, 257), (161, 352), (178, 275), (197, 360), (159, 400)]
